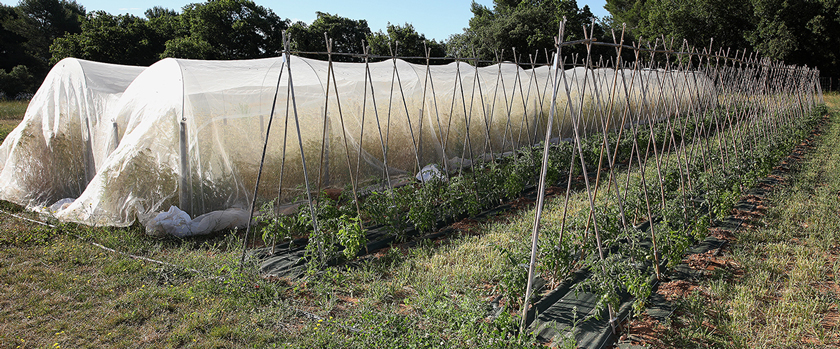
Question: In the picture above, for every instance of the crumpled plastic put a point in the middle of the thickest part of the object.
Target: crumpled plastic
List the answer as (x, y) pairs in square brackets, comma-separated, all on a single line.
[(177, 223), (428, 172), (61, 204)]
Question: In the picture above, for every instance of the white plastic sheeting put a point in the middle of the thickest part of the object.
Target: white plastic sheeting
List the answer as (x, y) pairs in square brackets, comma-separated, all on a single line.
[(190, 133), (66, 134)]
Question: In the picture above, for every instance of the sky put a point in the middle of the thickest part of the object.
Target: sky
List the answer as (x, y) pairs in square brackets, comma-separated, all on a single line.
[(437, 19)]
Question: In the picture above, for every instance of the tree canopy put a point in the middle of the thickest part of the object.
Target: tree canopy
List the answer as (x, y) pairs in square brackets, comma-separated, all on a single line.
[(48, 20), (346, 34), (217, 29), (229, 29), (26, 33), (529, 26), (407, 42), (123, 39), (803, 32), (38, 33)]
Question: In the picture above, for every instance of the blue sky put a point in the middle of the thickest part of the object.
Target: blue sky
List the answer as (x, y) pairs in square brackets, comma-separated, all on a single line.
[(437, 19)]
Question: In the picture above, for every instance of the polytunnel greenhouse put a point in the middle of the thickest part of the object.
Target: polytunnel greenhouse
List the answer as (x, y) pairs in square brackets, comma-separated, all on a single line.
[(68, 132), (104, 144)]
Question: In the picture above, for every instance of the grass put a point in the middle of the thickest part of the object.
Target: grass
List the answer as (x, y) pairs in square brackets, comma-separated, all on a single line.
[(12, 110), (11, 113), (59, 290), (783, 287), (6, 127)]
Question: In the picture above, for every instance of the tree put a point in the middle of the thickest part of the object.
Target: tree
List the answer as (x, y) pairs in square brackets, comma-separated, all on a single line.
[(346, 34), (13, 50), (122, 39), (48, 20), (629, 12), (189, 47), (411, 43), (727, 21), (803, 32), (217, 29), (26, 32), (169, 25), (17, 82), (159, 11), (798, 32), (529, 26), (227, 29)]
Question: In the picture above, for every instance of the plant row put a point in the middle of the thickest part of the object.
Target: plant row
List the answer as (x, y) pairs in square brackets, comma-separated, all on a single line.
[(670, 210), (422, 207)]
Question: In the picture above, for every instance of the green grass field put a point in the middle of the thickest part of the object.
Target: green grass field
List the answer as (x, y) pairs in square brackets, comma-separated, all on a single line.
[(11, 112)]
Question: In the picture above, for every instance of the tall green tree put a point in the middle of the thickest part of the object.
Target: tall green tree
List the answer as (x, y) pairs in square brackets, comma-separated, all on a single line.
[(411, 43), (696, 21), (26, 32), (529, 26), (160, 11), (48, 20), (803, 32), (217, 29), (346, 34), (122, 39), (167, 23), (798, 32), (228, 29), (629, 12), (13, 50)]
